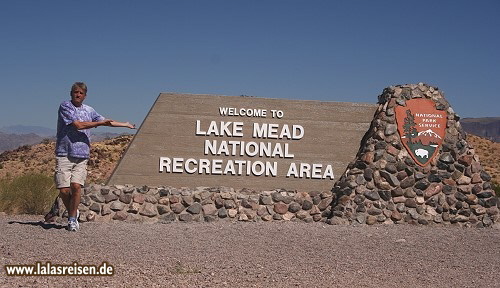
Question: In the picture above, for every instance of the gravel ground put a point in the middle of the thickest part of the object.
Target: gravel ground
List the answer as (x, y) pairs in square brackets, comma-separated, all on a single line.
[(229, 254)]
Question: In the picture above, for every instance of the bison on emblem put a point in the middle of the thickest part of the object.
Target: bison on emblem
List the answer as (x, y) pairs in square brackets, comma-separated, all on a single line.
[(422, 153)]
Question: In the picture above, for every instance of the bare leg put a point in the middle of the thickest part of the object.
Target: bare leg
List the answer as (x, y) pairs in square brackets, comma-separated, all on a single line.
[(76, 190), (65, 194)]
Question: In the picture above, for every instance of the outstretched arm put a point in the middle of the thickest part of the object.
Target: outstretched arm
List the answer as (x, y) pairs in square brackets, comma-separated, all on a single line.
[(122, 124), (106, 122), (79, 125)]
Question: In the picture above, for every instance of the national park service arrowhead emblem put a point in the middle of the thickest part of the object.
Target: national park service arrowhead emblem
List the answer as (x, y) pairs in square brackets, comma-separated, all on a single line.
[(422, 128)]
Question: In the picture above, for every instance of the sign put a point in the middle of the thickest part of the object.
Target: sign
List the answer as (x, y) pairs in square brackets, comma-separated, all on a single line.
[(191, 140), (422, 129)]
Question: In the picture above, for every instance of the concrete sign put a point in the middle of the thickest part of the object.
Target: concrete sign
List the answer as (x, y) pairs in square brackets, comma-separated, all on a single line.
[(190, 140)]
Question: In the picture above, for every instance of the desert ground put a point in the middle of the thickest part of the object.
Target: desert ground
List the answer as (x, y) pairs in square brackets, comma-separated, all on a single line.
[(260, 254)]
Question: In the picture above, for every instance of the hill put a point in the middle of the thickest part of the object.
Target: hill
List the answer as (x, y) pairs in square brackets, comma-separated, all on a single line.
[(39, 158), (488, 127), (12, 137), (10, 141), (105, 154), (489, 155)]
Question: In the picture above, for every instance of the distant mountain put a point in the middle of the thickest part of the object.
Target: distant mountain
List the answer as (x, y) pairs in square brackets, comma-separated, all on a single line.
[(12, 137), (22, 129), (488, 127), (13, 141)]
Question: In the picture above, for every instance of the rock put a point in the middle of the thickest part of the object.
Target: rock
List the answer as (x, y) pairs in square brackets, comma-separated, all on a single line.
[(396, 216), (492, 210), (150, 199), (302, 215), (374, 211), (410, 203), (465, 160), (90, 217), (163, 192), (85, 200), (105, 210), (110, 197), (96, 208), (434, 178), (164, 201), (185, 217), (397, 192), (399, 199), (324, 203), (175, 199), (134, 208), (385, 195), (295, 207), (372, 195), (307, 205), (117, 206), (262, 210), (163, 209), (229, 204), (485, 176), (120, 216), (368, 174), (461, 218), (125, 198), (148, 210), (138, 198), (464, 180), (485, 194), (289, 199), (209, 209), (177, 208), (409, 193), (433, 189), (370, 220), (390, 129), (232, 213), (223, 213), (487, 221), (407, 182), (479, 210), (288, 216), (97, 198), (226, 195), (391, 179), (194, 208), (277, 197), (422, 184), (128, 190), (471, 199), (280, 208), (446, 158), (266, 200), (187, 200)]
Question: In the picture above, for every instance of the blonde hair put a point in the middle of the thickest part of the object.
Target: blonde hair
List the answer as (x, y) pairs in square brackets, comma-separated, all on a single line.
[(80, 85)]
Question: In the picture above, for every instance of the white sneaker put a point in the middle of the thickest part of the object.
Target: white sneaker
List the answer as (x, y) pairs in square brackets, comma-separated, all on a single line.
[(73, 226)]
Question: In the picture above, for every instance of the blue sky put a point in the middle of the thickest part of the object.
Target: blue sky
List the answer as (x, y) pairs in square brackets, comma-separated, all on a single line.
[(129, 51)]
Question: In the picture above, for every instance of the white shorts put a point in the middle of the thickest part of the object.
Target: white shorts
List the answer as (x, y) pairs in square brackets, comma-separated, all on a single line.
[(70, 170)]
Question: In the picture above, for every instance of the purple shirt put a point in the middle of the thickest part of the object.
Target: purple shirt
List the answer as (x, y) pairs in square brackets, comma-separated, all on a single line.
[(70, 141)]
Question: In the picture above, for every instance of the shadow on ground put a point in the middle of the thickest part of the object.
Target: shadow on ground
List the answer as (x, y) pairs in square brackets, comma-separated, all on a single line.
[(42, 224)]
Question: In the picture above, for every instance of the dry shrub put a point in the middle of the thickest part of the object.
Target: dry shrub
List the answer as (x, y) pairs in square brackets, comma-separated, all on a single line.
[(27, 194)]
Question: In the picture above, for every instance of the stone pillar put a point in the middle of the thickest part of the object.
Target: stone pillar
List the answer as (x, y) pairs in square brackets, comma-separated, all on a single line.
[(414, 166)]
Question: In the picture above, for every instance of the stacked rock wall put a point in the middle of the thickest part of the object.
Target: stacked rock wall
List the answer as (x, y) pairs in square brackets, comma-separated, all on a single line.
[(168, 204), (384, 184)]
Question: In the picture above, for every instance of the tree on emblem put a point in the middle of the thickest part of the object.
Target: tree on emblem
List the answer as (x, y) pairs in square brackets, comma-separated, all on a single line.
[(409, 127)]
